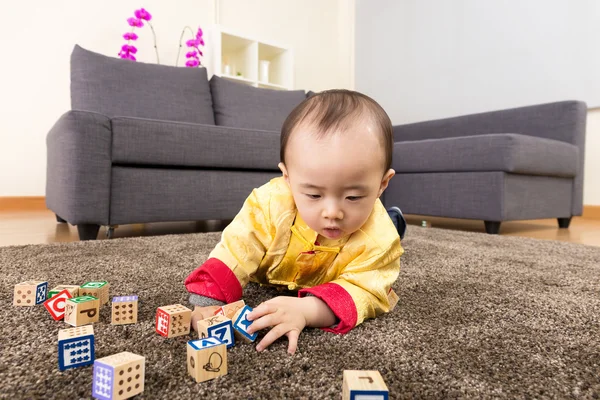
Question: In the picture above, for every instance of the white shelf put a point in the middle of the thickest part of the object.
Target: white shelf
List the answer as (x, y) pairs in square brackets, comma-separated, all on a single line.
[(243, 54)]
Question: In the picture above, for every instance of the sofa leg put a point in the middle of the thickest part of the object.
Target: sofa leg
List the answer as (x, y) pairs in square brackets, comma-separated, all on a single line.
[(564, 222), (88, 231), (59, 219), (492, 227)]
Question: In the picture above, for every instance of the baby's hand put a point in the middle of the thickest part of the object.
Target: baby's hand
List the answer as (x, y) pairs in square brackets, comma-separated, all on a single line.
[(201, 313), (286, 316)]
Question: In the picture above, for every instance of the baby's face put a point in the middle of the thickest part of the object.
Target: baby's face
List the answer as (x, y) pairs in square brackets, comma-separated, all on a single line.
[(336, 180)]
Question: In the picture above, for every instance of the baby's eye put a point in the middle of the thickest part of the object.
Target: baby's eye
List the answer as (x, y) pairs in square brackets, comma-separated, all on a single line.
[(313, 196), (354, 198)]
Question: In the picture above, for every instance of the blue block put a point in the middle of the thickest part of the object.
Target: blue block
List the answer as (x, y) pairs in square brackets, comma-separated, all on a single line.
[(201, 344), (75, 352), (368, 394), (41, 293), (103, 381), (241, 324), (223, 331)]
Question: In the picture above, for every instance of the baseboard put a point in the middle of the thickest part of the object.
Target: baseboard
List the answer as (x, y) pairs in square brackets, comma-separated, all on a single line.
[(592, 212), (23, 203)]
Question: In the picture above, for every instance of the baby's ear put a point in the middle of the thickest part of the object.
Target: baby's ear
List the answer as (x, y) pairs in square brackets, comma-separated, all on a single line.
[(386, 180), (284, 172)]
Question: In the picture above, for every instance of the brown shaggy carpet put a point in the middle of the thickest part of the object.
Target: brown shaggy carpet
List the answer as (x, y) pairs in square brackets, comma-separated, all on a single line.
[(479, 316)]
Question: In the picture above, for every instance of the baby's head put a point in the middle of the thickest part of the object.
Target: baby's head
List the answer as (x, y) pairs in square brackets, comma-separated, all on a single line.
[(336, 156)]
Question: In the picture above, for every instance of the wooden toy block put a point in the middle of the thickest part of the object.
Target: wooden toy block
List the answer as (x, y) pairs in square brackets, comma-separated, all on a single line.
[(364, 385), (229, 310), (173, 320), (82, 310), (218, 326), (124, 310), (241, 324), (56, 304), (206, 359), (75, 347), (97, 289), (30, 293), (119, 376), (73, 289), (392, 299)]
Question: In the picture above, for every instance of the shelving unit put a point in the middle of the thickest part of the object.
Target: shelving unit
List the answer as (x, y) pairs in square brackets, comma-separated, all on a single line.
[(243, 54)]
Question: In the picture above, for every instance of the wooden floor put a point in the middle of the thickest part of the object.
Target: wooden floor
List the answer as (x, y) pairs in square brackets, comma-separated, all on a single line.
[(33, 227)]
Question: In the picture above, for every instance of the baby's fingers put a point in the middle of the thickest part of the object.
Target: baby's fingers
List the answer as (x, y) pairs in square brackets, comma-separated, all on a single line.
[(261, 310), (272, 336), (293, 339)]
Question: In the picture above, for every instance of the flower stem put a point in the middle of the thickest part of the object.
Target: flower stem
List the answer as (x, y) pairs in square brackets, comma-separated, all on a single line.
[(154, 36), (180, 39)]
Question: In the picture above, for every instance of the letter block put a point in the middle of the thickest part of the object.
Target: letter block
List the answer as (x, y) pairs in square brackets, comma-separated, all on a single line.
[(173, 320), (30, 293), (119, 376), (206, 358), (363, 385), (97, 289), (229, 310), (56, 304), (241, 324), (73, 289), (82, 310), (75, 347), (124, 310), (218, 326)]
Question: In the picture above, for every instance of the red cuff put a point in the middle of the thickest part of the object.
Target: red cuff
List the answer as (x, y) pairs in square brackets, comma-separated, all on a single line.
[(340, 302), (214, 279)]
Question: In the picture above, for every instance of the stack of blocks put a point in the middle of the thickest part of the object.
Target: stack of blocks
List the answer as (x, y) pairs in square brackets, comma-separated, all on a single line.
[(173, 320), (119, 376), (30, 293), (124, 310), (207, 356), (97, 289), (75, 347), (82, 310)]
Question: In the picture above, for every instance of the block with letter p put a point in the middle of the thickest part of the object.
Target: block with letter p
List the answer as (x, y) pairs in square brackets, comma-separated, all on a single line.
[(82, 310)]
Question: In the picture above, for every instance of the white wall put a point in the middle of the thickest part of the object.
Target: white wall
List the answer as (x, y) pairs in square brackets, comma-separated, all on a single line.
[(430, 59), (591, 185), (37, 38)]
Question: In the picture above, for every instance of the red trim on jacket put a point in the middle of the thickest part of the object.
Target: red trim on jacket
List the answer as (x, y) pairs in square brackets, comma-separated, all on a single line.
[(339, 301), (214, 279)]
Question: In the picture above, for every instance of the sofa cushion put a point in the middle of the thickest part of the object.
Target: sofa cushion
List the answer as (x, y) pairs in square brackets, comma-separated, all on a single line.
[(116, 87), (514, 153), (241, 106), (148, 142)]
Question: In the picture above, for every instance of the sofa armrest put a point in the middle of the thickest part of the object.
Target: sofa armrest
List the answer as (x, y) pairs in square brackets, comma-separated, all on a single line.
[(564, 121), (78, 167)]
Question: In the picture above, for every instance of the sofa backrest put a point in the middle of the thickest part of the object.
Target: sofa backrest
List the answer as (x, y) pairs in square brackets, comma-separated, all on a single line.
[(238, 105), (116, 87)]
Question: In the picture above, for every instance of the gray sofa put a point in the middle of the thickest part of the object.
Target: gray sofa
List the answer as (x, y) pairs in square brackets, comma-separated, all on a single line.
[(515, 164), (149, 143)]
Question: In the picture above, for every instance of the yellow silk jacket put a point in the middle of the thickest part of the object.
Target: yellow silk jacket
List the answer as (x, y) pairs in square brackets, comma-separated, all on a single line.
[(269, 243)]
